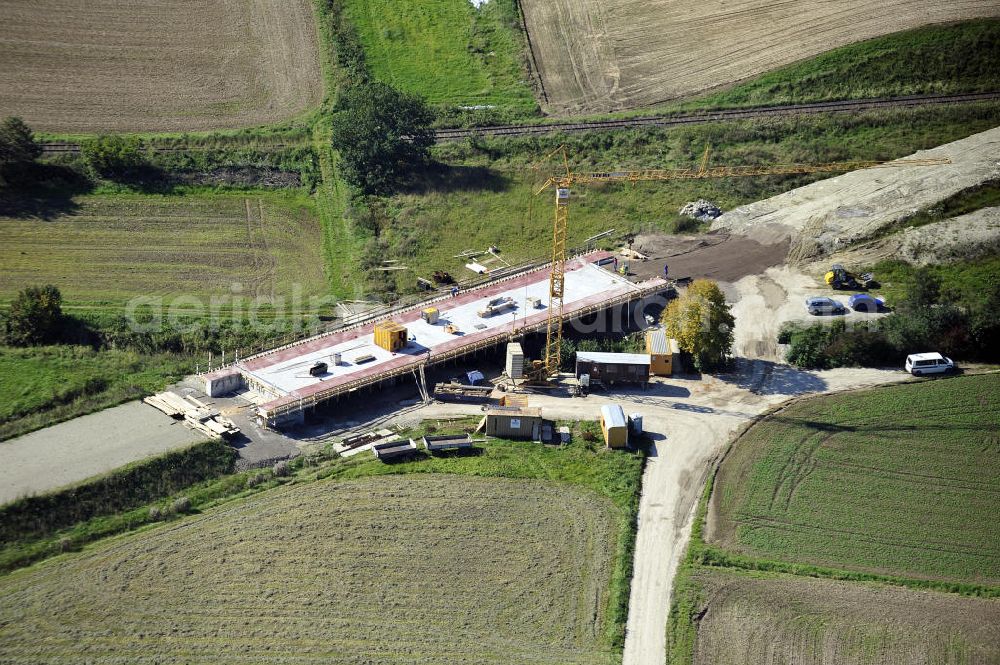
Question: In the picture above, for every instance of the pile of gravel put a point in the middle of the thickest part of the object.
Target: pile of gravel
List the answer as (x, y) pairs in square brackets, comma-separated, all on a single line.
[(702, 210)]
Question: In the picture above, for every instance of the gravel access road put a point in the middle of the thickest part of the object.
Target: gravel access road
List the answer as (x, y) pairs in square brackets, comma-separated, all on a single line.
[(87, 446)]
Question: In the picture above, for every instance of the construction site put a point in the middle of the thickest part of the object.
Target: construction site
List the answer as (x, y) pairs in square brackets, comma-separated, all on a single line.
[(287, 381)]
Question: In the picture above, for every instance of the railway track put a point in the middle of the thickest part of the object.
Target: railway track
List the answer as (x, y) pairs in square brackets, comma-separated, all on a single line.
[(57, 147), (847, 106), (442, 135)]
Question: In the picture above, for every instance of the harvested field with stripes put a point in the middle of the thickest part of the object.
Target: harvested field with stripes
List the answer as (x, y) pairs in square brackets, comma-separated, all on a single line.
[(607, 55), (103, 66), (103, 250), (403, 569), (756, 619), (898, 481)]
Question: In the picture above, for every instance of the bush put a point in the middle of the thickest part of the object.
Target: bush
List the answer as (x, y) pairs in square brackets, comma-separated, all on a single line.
[(181, 505), (281, 469), (256, 479), (155, 514), (808, 346), (112, 156), (35, 317)]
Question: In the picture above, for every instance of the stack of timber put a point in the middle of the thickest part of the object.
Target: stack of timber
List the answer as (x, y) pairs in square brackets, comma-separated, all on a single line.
[(195, 414), (456, 392)]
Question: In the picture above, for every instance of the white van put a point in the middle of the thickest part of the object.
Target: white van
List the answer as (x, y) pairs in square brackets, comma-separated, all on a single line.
[(928, 363)]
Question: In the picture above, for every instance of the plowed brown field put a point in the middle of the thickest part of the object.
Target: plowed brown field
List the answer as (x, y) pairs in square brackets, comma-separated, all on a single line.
[(171, 65), (603, 55)]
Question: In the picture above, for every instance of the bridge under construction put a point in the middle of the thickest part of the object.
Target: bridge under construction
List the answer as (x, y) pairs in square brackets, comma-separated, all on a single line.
[(287, 381)]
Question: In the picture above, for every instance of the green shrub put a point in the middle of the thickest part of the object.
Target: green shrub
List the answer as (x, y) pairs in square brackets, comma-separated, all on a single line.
[(256, 479), (112, 156), (35, 317)]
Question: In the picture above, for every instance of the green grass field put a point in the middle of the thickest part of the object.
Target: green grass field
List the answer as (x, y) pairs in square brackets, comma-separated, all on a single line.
[(752, 618), (898, 481), (486, 195), (447, 51), (102, 250), (39, 386), (406, 568)]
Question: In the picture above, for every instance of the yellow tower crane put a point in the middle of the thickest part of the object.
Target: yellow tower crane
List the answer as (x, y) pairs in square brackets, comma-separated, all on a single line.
[(549, 364)]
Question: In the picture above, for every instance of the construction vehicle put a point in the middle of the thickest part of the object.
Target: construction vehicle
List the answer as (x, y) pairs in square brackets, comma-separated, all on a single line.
[(548, 366), (441, 277), (839, 278)]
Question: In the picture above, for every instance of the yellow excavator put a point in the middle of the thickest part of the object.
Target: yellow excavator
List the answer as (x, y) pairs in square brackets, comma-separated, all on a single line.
[(839, 278)]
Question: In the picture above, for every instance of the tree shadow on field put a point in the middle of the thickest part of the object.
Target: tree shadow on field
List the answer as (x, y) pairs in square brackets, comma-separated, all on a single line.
[(41, 191), (438, 177), (148, 179)]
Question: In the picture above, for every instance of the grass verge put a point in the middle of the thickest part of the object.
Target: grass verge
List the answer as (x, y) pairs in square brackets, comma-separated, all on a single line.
[(967, 283), (45, 385), (937, 59), (121, 490)]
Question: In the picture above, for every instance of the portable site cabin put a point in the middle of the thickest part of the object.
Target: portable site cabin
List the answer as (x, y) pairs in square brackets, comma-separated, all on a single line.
[(614, 426), (663, 351), (390, 335), (613, 368), (515, 422)]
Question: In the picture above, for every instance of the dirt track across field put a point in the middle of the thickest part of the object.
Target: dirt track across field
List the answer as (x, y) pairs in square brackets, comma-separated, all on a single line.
[(606, 55), (172, 65)]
